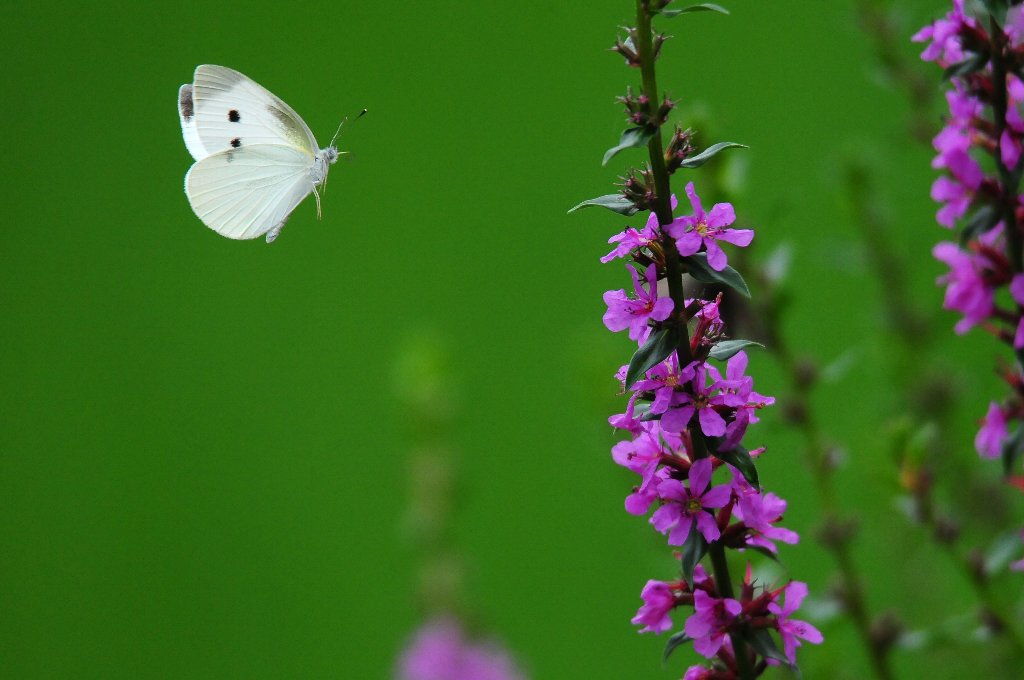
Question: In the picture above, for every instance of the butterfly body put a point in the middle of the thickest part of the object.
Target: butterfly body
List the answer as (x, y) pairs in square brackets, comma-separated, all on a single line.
[(256, 159)]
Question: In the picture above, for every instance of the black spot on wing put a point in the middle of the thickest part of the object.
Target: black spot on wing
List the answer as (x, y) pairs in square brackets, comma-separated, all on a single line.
[(233, 116), (236, 142), (185, 104)]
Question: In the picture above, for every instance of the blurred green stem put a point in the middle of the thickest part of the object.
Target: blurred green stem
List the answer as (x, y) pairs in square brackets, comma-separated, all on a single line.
[(836, 533)]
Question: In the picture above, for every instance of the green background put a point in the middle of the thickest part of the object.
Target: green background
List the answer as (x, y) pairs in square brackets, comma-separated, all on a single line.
[(203, 448)]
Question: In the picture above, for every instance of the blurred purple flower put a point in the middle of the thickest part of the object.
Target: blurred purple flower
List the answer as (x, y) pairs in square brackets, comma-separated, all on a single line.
[(440, 651), (993, 432)]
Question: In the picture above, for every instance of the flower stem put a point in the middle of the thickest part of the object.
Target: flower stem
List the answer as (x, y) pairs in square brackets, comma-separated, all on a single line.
[(662, 187), (674, 276)]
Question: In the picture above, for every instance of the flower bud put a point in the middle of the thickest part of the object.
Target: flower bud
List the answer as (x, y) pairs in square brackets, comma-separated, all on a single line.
[(680, 146), (627, 48)]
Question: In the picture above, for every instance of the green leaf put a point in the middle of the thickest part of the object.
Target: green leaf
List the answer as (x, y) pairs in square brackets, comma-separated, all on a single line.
[(973, 63), (675, 641), (614, 202), (693, 550), (997, 8), (661, 343), (764, 644), (705, 155), (702, 7), (631, 138), (697, 266), (740, 459), (727, 349), (983, 219)]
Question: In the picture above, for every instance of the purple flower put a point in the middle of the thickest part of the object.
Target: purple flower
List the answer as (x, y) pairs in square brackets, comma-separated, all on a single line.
[(1017, 293), (706, 229), (635, 315), (439, 651), (663, 380), (1014, 26), (709, 624), (631, 239), (993, 433), (628, 420), (641, 455), (759, 511), (957, 191), (697, 673), (703, 402), (741, 387), (944, 36), (790, 630), (966, 288), (686, 506), (658, 602)]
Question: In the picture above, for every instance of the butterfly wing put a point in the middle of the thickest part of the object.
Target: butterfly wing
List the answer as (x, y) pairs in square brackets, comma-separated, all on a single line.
[(187, 114), (246, 192), (231, 111)]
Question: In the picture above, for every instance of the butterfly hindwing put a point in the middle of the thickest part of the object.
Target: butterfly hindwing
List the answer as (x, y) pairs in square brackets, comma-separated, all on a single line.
[(246, 192), (231, 111)]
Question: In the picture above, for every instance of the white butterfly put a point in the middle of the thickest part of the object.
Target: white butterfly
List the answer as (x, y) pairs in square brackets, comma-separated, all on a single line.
[(256, 160)]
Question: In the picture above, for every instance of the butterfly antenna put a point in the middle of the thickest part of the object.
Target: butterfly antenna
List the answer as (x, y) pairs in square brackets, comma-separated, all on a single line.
[(343, 121)]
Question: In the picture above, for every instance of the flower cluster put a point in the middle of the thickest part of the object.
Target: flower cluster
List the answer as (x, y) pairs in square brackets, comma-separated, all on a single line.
[(716, 617), (686, 420), (979, 151), (690, 400), (440, 650)]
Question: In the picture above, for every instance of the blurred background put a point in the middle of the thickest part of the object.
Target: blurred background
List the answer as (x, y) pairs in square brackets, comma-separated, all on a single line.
[(205, 444)]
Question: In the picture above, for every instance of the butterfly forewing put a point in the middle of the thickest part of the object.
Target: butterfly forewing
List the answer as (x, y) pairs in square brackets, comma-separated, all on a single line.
[(232, 111), (187, 114), (245, 192)]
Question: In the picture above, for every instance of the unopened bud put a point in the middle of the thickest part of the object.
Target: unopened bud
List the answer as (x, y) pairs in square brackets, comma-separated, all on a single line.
[(680, 146), (659, 40)]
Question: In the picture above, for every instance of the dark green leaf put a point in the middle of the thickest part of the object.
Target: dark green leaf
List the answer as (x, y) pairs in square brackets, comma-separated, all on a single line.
[(697, 266), (693, 550), (614, 202), (997, 8), (1012, 450), (727, 349), (705, 155), (973, 63), (740, 459), (763, 643), (673, 642), (983, 219), (631, 138), (702, 7), (659, 345)]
